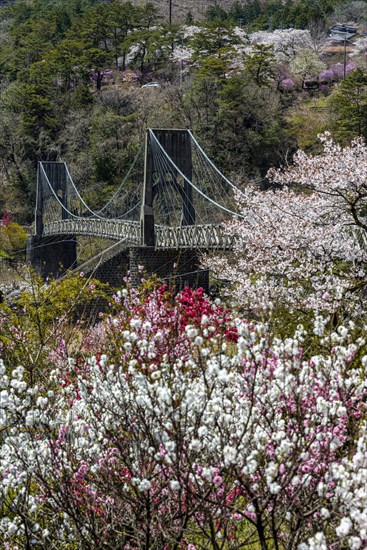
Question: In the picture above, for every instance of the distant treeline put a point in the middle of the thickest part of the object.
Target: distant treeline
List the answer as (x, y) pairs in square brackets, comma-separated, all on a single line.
[(275, 14)]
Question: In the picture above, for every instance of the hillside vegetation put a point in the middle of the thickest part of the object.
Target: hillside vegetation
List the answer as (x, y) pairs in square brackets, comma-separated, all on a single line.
[(291, 11), (71, 74)]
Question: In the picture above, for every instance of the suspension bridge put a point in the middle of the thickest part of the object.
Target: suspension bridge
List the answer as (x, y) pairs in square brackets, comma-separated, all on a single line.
[(171, 205)]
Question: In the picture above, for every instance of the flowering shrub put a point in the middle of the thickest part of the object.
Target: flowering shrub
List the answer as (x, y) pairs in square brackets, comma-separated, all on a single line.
[(44, 320), (13, 238), (287, 84), (326, 76), (177, 438), (338, 70), (5, 221), (168, 321)]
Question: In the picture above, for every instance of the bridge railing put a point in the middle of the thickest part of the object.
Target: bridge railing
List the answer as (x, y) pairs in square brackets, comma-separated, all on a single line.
[(110, 229), (193, 236), (189, 236)]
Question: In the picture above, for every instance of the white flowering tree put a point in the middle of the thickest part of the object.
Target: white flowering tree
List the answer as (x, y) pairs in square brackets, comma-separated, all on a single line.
[(192, 431), (303, 245), (360, 49), (286, 43), (306, 63)]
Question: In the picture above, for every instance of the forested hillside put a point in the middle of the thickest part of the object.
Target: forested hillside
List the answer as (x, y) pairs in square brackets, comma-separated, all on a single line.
[(290, 12), (72, 73)]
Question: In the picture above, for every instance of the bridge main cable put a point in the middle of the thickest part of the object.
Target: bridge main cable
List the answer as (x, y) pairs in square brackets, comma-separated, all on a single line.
[(77, 194), (156, 141)]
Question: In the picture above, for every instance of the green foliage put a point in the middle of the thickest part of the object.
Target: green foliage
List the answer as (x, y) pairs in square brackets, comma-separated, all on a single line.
[(355, 10), (13, 239), (214, 37), (41, 316), (305, 120), (217, 66), (35, 28), (109, 157), (302, 12), (247, 12), (123, 18), (52, 51), (238, 119), (103, 143), (281, 14), (63, 62), (349, 106), (216, 13), (189, 18), (260, 64), (153, 48), (37, 112), (236, 113)]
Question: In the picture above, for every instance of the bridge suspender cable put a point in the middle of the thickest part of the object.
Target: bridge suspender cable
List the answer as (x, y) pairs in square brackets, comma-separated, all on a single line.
[(56, 196), (165, 165), (212, 163), (94, 214), (190, 182), (79, 196), (117, 192)]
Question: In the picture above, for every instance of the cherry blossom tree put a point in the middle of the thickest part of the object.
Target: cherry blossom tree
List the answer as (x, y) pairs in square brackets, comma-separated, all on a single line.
[(305, 64), (196, 43), (303, 245), (360, 48), (286, 43)]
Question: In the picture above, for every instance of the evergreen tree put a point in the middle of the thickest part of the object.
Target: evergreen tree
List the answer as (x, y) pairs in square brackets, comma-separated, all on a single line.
[(349, 106)]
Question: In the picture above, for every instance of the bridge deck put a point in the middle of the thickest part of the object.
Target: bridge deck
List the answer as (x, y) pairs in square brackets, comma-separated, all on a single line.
[(190, 236)]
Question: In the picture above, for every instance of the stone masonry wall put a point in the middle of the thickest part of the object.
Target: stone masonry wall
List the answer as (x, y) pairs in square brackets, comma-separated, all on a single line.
[(178, 267), (51, 256)]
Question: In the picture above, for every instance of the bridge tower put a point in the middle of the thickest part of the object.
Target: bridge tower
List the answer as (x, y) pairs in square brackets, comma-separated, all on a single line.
[(177, 145), (182, 264), (51, 256)]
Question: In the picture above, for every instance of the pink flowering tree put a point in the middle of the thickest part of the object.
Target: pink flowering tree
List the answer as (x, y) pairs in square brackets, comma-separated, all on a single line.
[(303, 245), (5, 221), (287, 84), (191, 430), (338, 70), (326, 76)]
